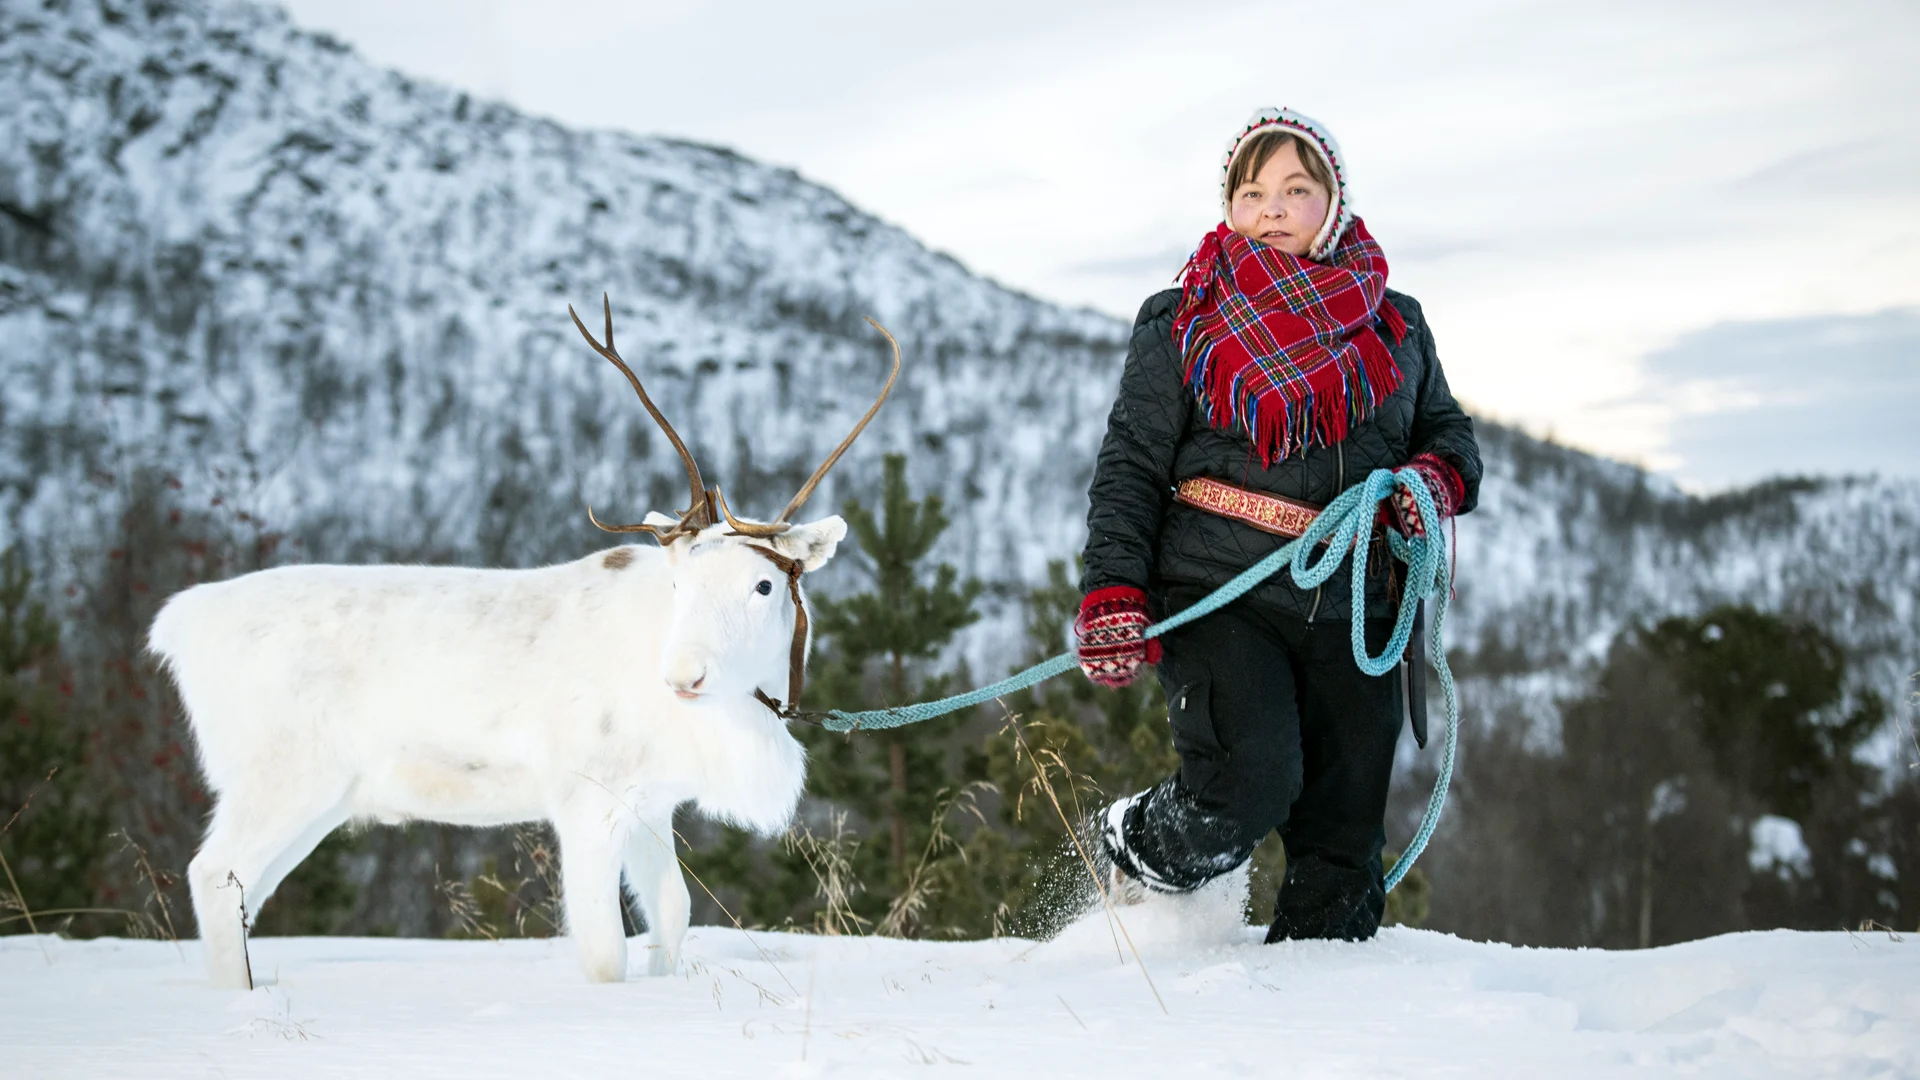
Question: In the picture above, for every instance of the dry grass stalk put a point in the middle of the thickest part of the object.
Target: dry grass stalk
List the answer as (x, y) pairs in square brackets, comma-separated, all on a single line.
[(1000, 913), (18, 902), (731, 917), (765, 996), (536, 865), (830, 861), (30, 797), (1034, 785), (141, 924), (7, 903), (464, 907), (530, 843), (1043, 763), (1041, 771), (158, 882), (233, 880), (904, 912), (283, 1024)]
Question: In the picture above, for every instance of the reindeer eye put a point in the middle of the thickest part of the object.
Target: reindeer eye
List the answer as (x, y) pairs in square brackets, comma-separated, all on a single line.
[(764, 587)]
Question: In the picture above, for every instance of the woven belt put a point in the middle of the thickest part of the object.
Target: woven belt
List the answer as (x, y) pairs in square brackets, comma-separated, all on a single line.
[(1274, 514)]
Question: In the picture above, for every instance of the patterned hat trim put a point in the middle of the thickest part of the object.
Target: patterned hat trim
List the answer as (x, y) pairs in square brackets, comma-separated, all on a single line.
[(1340, 213)]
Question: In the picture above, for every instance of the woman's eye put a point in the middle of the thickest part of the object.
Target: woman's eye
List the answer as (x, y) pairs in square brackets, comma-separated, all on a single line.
[(763, 588)]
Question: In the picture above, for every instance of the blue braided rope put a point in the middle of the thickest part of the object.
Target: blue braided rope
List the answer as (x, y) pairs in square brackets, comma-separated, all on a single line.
[(1346, 528)]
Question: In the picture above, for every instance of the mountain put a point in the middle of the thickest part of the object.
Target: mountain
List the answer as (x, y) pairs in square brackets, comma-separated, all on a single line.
[(337, 296), (232, 245), (1565, 549)]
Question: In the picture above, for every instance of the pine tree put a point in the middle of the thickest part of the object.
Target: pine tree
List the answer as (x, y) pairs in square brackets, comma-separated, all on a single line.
[(1768, 699), (1766, 694), (878, 648), (56, 844), (1636, 829)]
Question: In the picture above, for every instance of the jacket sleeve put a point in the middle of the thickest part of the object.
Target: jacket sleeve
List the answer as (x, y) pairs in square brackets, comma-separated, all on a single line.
[(1133, 476), (1440, 426)]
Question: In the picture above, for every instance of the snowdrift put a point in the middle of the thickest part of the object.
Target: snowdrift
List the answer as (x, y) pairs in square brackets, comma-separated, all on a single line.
[(1409, 1003)]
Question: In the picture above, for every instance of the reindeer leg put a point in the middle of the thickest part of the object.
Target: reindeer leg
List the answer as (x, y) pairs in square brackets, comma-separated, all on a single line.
[(653, 873), (590, 888), (257, 838)]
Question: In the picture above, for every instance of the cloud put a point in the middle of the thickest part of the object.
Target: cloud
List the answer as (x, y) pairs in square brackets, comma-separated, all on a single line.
[(1565, 187), (1820, 395), (1861, 167)]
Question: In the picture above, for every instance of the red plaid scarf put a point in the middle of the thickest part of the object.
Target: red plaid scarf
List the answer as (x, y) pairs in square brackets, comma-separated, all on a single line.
[(1284, 347)]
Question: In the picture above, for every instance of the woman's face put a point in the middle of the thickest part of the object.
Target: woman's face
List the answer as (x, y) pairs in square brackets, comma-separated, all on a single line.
[(1280, 206)]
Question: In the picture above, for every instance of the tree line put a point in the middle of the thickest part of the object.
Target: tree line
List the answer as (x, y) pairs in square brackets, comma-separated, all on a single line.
[(1707, 777)]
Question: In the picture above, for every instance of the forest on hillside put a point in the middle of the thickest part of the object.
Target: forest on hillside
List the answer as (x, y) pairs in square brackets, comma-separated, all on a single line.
[(1703, 778)]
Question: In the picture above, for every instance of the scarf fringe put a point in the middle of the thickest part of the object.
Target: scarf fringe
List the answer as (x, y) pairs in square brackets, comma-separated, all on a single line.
[(1396, 322), (1288, 416), (1280, 426)]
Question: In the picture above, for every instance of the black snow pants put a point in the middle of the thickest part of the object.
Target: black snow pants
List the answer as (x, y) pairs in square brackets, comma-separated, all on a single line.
[(1276, 728)]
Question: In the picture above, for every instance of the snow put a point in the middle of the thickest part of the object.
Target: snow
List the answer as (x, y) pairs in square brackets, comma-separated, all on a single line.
[(1409, 1003), (1778, 845)]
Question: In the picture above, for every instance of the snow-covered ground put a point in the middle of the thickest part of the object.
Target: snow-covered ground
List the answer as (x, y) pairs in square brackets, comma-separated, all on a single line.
[(1409, 1003)]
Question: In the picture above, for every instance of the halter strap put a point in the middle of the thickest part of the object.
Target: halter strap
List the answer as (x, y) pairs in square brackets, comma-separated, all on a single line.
[(797, 654)]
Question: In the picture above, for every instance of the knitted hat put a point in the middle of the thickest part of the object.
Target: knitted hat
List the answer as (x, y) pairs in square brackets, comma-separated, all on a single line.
[(1314, 134)]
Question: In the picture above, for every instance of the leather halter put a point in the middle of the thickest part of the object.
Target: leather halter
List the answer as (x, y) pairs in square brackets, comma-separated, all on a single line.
[(797, 655)]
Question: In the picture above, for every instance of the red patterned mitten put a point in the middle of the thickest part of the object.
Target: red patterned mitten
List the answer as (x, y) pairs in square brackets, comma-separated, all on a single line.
[(1443, 483), (1109, 631)]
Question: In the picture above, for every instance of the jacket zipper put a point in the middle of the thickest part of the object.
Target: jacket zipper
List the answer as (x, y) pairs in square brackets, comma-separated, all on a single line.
[(1339, 485)]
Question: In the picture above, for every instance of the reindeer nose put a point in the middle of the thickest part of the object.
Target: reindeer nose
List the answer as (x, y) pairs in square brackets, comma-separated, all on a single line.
[(687, 675)]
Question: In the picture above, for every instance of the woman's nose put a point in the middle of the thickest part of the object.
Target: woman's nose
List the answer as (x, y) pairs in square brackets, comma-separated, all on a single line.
[(1274, 209)]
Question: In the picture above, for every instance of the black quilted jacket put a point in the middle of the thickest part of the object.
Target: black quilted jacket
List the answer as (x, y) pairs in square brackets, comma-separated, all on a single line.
[(1156, 437)]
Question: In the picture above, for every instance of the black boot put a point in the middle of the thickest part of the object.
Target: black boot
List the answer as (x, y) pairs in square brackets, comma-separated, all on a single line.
[(1166, 840), (1324, 901)]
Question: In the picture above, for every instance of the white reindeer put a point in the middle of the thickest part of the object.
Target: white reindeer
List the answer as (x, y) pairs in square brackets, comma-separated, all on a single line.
[(598, 695)]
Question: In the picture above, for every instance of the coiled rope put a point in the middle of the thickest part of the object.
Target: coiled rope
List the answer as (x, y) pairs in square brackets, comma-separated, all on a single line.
[(1345, 527)]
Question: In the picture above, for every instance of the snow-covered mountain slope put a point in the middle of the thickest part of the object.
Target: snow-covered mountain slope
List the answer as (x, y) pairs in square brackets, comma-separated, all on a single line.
[(338, 295), (229, 243), (1565, 549)]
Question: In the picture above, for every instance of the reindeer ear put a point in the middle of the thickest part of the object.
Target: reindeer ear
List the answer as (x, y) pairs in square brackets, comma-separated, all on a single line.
[(664, 522), (813, 543)]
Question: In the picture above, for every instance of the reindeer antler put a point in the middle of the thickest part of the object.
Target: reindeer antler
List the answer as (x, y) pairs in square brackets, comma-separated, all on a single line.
[(780, 524), (699, 512), (707, 504)]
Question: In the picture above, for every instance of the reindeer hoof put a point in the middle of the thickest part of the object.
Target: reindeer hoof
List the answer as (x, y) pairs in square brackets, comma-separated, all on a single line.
[(661, 961)]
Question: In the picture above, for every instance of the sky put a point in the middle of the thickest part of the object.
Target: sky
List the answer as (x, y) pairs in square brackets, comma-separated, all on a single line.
[(1686, 235)]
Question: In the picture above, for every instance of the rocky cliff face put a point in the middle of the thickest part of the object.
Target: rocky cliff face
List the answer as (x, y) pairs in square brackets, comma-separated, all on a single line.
[(337, 295)]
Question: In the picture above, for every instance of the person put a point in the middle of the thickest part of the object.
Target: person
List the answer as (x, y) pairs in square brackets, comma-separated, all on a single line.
[(1281, 372)]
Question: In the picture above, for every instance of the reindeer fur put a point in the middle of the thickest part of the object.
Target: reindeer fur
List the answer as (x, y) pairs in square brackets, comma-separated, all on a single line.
[(320, 695)]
